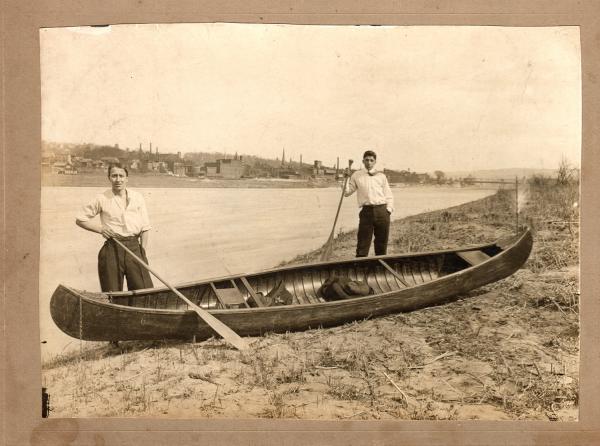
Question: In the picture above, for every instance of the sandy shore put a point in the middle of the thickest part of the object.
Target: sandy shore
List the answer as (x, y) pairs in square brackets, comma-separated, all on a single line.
[(508, 350)]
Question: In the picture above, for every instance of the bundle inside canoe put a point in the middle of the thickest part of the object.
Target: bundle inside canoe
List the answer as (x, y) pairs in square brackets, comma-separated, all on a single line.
[(288, 298)]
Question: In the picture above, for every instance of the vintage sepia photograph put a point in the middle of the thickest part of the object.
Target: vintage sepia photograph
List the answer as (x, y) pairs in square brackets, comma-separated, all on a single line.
[(313, 222)]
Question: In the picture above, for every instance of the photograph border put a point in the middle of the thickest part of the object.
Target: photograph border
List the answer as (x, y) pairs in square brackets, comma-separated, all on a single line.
[(20, 354)]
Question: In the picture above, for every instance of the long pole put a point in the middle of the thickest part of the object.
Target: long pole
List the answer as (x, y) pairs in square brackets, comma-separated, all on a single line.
[(329, 244), (227, 333)]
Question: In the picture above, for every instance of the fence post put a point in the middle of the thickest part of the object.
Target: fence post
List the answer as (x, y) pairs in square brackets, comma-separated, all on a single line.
[(517, 205)]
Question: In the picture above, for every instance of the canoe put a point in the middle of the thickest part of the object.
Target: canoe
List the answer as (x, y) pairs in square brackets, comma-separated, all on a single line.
[(399, 283)]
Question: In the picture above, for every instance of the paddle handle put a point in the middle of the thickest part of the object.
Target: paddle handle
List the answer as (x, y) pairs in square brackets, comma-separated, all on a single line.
[(329, 243), (227, 333), (337, 214)]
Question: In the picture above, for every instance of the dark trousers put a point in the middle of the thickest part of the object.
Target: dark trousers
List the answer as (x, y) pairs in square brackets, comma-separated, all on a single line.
[(114, 264), (373, 220)]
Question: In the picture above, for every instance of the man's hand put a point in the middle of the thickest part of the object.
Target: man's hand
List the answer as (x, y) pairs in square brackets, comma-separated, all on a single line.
[(346, 172), (108, 233), (97, 228)]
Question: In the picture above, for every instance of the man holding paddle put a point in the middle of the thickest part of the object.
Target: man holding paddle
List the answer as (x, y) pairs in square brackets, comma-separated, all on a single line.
[(124, 224), (376, 201), (123, 216)]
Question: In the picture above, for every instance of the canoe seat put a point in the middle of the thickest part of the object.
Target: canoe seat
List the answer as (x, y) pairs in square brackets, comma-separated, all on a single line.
[(230, 297), (473, 257)]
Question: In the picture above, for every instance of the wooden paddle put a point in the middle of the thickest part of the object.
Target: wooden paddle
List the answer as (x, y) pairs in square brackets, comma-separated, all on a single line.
[(227, 333), (328, 250)]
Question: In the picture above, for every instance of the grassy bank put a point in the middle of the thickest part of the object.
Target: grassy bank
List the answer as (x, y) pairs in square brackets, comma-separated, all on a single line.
[(505, 351)]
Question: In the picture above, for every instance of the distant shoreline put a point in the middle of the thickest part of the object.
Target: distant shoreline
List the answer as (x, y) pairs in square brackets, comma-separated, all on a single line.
[(168, 181), (136, 180)]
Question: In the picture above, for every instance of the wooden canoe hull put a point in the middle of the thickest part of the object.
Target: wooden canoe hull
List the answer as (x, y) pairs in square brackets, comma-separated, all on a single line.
[(92, 316)]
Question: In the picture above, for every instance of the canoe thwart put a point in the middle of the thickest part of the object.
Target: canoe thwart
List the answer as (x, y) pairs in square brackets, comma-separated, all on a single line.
[(255, 296), (473, 257), (393, 272)]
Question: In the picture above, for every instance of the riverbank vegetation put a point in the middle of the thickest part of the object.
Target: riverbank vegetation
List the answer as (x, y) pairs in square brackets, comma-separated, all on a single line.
[(506, 351)]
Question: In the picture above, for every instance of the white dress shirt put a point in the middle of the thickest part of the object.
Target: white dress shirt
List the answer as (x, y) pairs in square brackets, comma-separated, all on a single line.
[(371, 189), (125, 217)]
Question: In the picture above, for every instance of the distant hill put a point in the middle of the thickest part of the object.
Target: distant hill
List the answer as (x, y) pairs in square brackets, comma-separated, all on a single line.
[(96, 152), (506, 174)]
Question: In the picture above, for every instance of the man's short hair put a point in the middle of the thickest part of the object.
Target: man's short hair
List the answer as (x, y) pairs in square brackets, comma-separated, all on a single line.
[(119, 166), (369, 153)]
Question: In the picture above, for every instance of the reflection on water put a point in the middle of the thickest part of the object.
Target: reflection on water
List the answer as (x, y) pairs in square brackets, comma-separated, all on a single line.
[(200, 233)]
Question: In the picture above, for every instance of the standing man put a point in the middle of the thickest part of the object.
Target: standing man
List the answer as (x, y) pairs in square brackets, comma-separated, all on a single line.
[(123, 216), (376, 201)]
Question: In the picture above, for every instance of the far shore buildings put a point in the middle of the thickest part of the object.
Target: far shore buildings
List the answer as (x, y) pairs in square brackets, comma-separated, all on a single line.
[(89, 158), (71, 159), (184, 169), (231, 168), (405, 176), (320, 171)]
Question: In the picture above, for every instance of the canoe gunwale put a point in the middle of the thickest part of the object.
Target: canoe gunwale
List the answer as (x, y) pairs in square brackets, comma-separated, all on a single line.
[(307, 265)]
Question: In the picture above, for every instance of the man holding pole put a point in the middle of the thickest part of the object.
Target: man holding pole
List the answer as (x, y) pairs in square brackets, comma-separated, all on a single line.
[(123, 216), (376, 201)]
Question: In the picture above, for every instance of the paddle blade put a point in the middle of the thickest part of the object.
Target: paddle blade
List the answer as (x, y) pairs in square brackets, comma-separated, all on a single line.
[(327, 251), (223, 330), (227, 333)]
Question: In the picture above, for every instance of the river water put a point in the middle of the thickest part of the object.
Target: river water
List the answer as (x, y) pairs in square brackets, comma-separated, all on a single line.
[(200, 233)]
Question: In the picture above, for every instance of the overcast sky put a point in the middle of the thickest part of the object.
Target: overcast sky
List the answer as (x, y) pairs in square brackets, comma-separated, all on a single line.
[(424, 98)]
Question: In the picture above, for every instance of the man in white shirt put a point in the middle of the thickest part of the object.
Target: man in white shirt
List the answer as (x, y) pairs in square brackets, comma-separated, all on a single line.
[(376, 201), (123, 216)]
